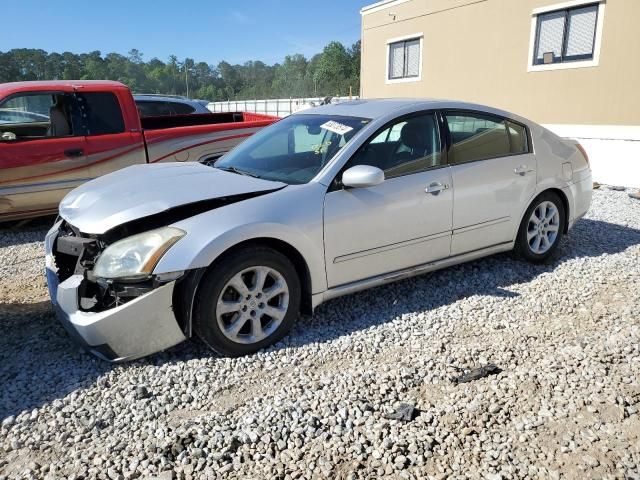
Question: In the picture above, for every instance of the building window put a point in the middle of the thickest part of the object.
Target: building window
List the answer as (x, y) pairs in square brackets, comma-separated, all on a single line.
[(566, 35), (405, 59)]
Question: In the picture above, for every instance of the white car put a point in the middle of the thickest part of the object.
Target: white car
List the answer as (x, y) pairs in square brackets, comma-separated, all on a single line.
[(320, 204)]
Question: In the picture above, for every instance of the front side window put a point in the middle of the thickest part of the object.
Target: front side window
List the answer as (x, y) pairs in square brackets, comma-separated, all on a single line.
[(102, 113), (36, 115), (404, 59), (294, 149), (566, 35), (477, 136), (410, 145)]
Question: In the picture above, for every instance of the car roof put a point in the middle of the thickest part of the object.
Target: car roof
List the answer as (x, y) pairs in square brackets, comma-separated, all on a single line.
[(382, 107), (44, 86)]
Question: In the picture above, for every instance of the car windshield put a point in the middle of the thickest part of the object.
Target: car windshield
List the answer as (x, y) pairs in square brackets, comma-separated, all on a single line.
[(294, 149)]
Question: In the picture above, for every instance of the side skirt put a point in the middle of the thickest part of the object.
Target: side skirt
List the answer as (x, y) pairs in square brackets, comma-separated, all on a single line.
[(376, 281)]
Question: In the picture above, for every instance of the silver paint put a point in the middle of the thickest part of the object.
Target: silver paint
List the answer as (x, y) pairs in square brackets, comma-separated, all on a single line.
[(353, 238)]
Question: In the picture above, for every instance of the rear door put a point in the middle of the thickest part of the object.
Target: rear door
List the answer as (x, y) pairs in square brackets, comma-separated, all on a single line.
[(494, 178), (38, 166), (110, 146)]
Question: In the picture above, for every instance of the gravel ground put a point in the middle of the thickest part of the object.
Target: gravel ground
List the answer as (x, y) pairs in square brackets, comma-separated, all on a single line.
[(566, 404)]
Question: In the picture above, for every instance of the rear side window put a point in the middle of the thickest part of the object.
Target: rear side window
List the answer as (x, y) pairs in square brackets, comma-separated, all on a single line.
[(182, 108), (518, 138), (153, 109), (477, 136), (101, 112)]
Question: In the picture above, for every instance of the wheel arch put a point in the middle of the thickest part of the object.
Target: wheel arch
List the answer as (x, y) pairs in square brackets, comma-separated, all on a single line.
[(289, 251), (187, 287), (565, 204)]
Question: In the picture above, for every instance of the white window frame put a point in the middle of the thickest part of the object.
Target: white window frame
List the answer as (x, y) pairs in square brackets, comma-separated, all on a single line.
[(404, 38), (566, 65)]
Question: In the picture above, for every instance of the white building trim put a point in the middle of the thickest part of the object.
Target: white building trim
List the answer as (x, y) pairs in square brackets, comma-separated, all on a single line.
[(600, 132), (378, 6), (614, 151), (566, 65)]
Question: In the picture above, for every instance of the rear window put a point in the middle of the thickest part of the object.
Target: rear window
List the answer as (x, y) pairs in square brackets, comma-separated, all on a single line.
[(102, 113)]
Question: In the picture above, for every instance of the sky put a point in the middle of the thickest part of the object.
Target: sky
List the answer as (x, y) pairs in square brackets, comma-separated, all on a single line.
[(205, 30)]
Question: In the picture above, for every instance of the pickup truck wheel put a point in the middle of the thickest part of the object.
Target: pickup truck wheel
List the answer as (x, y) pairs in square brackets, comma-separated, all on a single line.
[(541, 228), (247, 301)]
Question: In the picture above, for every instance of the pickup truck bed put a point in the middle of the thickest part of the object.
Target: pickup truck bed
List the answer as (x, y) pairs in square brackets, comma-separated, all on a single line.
[(77, 131)]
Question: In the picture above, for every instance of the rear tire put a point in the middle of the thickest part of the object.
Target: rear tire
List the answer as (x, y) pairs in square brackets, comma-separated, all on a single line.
[(541, 228), (248, 300)]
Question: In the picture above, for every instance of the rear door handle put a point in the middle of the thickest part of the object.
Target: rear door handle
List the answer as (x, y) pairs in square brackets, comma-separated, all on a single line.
[(522, 170), (436, 187), (74, 152)]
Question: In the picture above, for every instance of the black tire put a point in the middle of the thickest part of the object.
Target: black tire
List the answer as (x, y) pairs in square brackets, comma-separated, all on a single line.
[(205, 319), (522, 247)]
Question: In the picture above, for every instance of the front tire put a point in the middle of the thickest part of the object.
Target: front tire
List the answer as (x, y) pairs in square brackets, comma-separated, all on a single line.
[(248, 301), (541, 228)]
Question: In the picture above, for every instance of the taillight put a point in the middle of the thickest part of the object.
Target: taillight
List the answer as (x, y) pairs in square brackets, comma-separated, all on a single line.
[(583, 152)]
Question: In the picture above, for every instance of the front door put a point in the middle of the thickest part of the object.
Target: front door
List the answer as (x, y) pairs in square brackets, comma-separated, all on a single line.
[(42, 152), (494, 178), (403, 222)]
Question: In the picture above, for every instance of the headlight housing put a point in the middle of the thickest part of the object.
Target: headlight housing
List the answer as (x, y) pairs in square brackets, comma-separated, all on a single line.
[(135, 257)]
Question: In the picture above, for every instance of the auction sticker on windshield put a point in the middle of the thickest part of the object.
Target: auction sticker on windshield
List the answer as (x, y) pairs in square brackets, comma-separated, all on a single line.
[(336, 127)]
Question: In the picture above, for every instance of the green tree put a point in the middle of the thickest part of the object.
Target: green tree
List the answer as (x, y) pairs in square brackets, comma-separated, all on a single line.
[(328, 73), (333, 69)]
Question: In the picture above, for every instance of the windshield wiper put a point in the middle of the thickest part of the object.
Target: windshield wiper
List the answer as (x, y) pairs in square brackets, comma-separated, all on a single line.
[(238, 171)]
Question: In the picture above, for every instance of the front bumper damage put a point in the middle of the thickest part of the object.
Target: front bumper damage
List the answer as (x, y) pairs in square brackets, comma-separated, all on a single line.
[(143, 325)]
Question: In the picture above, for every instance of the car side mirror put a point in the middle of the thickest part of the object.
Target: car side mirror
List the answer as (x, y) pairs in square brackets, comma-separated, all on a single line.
[(8, 137), (362, 176)]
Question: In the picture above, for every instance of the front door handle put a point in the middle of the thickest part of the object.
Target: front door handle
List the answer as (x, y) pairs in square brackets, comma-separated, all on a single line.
[(74, 152), (522, 170), (436, 187)]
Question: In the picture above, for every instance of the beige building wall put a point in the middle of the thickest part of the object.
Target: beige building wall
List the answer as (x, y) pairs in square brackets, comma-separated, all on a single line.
[(479, 51)]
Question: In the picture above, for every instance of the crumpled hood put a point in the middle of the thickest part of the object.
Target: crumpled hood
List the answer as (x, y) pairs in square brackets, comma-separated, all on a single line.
[(143, 190)]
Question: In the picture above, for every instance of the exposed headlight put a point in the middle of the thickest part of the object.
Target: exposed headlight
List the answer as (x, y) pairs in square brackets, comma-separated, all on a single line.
[(135, 257)]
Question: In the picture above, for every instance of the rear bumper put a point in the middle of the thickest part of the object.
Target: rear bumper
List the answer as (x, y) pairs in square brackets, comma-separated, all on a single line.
[(579, 194), (140, 327)]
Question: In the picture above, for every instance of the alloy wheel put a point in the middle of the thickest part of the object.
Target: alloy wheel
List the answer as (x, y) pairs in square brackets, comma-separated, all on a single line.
[(543, 227), (252, 304)]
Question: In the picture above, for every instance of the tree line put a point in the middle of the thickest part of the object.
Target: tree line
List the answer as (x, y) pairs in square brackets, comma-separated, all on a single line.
[(335, 71)]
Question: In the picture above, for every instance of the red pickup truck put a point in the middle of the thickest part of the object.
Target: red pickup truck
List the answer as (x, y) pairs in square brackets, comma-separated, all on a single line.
[(56, 135)]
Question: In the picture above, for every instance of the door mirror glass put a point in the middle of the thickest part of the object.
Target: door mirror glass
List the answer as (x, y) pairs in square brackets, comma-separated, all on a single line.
[(8, 137), (362, 176)]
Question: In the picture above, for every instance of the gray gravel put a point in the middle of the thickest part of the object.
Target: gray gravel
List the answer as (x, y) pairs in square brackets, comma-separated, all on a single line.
[(566, 336)]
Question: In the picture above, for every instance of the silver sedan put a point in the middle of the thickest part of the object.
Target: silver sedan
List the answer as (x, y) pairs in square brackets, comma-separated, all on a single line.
[(321, 204)]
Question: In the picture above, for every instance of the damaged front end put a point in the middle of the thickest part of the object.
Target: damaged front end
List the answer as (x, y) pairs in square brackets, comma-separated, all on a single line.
[(116, 319), (102, 252)]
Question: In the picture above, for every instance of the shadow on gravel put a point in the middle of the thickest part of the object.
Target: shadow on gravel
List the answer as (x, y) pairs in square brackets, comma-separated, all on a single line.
[(17, 232), (39, 363), (489, 276)]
